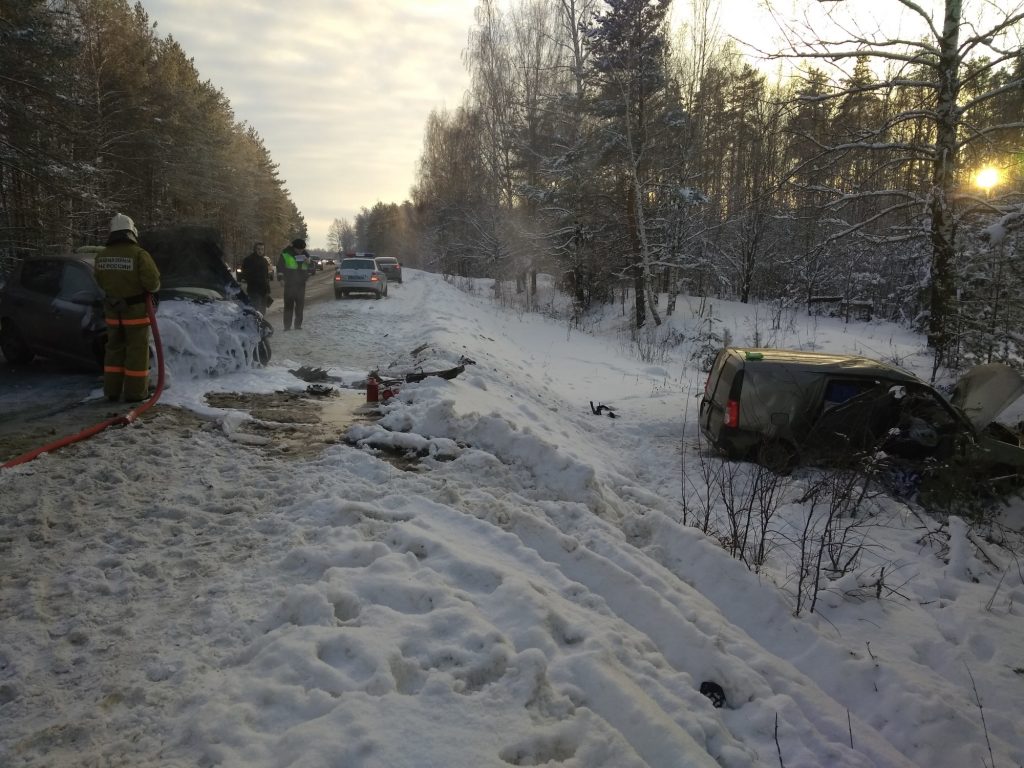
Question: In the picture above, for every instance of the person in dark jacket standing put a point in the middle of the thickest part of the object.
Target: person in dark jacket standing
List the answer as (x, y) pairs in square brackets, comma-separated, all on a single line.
[(256, 275), (294, 265), (126, 273)]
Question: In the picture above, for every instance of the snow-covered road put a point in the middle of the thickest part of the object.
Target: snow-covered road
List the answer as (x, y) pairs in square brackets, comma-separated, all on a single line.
[(491, 575)]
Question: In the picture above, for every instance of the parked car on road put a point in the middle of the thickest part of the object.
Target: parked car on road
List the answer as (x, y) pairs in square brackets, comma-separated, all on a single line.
[(360, 274), (391, 268), (51, 306), (787, 407)]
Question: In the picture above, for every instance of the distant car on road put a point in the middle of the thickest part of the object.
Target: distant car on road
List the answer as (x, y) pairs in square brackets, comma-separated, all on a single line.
[(391, 268), (360, 274)]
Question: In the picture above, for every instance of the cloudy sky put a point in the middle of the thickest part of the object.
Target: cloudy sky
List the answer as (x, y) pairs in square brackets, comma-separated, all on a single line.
[(340, 90)]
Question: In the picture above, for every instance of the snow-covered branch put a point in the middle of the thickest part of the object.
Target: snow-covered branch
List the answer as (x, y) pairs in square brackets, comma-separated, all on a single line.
[(996, 232)]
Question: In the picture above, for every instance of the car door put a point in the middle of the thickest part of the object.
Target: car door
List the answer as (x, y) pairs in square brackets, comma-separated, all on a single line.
[(32, 301), (59, 310), (712, 404), (77, 310), (906, 420), (851, 424)]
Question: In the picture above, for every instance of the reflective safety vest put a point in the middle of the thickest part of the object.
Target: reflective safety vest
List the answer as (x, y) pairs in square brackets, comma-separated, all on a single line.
[(289, 260)]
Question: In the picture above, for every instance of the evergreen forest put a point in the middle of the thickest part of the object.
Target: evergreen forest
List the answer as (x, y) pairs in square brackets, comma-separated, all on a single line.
[(632, 159)]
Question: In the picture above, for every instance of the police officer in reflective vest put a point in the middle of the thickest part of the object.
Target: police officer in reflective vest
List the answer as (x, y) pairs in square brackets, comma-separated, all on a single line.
[(126, 273), (294, 267)]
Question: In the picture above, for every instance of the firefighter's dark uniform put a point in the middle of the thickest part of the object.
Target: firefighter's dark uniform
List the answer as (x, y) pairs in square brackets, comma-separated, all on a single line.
[(126, 273)]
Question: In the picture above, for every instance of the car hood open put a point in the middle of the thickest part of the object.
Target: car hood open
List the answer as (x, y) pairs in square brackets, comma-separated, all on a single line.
[(987, 390), (190, 257)]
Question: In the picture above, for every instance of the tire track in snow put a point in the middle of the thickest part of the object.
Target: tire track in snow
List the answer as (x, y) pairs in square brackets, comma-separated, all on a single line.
[(697, 640)]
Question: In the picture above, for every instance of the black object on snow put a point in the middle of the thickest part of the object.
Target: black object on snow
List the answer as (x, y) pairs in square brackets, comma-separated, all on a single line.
[(449, 374), (714, 692), (308, 373)]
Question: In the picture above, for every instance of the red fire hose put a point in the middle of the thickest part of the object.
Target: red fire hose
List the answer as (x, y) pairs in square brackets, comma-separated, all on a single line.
[(127, 418)]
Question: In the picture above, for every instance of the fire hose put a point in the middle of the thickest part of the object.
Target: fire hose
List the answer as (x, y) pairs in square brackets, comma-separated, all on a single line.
[(126, 419)]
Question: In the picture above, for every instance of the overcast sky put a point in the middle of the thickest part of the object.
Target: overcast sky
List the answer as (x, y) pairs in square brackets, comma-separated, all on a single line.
[(340, 90)]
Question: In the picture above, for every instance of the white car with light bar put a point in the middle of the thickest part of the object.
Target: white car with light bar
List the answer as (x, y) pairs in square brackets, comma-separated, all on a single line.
[(360, 274)]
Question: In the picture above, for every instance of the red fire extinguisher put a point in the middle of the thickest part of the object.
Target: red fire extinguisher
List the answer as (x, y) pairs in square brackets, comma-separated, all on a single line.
[(372, 389)]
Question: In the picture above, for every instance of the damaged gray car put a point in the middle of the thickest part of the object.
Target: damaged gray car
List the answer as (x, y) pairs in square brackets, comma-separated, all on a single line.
[(785, 408)]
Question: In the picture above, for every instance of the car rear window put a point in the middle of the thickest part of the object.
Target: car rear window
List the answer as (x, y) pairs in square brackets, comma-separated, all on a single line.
[(721, 378), (358, 264), (387, 261)]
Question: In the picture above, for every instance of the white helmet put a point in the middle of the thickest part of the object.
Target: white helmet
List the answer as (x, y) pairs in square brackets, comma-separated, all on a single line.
[(122, 223)]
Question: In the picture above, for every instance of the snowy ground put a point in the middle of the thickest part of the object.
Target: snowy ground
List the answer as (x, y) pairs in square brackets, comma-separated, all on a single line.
[(490, 575)]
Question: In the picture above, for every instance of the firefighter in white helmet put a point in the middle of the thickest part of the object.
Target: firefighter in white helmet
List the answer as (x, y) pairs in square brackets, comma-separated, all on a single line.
[(126, 273)]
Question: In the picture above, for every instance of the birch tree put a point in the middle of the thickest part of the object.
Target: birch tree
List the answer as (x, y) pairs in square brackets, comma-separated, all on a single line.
[(951, 47), (341, 236), (629, 66)]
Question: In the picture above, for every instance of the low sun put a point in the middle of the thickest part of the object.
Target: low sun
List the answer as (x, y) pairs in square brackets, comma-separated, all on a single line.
[(986, 177)]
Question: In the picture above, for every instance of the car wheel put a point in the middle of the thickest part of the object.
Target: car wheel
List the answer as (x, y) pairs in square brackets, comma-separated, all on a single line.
[(778, 455), (16, 351), (338, 294)]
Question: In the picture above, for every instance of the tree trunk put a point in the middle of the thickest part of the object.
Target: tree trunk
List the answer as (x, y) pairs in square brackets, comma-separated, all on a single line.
[(672, 289), (943, 220), (640, 296)]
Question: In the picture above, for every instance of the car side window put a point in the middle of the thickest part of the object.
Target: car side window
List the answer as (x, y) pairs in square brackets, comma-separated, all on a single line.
[(78, 284), (838, 391), (42, 277)]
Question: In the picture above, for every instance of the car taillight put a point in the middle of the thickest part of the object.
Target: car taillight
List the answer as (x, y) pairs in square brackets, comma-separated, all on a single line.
[(338, 278), (732, 414), (374, 278)]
